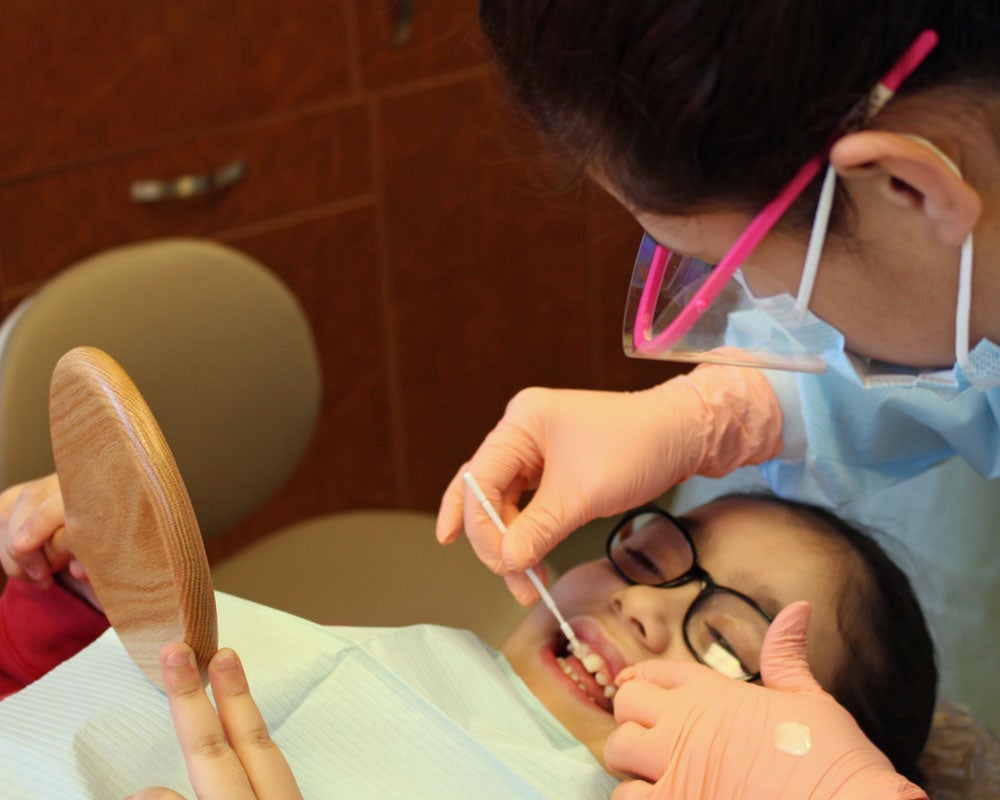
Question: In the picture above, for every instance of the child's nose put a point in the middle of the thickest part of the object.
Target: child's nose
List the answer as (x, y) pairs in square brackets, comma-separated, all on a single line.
[(656, 615)]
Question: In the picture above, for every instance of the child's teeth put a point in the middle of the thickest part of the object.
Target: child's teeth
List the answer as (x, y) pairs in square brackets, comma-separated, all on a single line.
[(592, 662)]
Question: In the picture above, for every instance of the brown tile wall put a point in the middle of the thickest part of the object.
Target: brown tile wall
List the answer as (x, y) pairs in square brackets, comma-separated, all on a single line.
[(442, 267)]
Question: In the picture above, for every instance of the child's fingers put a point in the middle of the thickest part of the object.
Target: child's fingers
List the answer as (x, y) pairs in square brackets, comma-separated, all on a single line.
[(247, 732), (56, 551), (32, 568), (30, 514), (35, 519), (77, 570), (155, 793), (212, 765), (26, 565)]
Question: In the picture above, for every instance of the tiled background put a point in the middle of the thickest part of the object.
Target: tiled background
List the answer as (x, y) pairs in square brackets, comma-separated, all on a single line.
[(443, 266)]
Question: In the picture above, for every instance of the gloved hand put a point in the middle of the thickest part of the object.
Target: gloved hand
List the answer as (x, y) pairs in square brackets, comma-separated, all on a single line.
[(595, 454), (698, 734)]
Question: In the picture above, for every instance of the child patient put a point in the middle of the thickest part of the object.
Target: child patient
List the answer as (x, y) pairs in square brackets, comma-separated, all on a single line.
[(703, 587)]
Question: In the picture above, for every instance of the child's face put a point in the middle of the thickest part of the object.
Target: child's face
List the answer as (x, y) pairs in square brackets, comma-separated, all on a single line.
[(757, 548)]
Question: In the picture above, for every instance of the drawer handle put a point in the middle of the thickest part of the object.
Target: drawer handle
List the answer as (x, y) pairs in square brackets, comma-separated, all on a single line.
[(185, 186), (404, 23)]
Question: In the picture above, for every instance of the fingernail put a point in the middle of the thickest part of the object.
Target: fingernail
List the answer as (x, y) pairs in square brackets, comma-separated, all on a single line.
[(226, 659), (23, 540), (180, 658), (35, 573)]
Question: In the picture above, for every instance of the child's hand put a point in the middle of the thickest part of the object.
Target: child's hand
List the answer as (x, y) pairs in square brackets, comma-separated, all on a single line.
[(226, 747), (31, 527)]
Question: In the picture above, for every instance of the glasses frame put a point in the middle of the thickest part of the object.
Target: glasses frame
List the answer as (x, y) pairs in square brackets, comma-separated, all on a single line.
[(694, 573), (644, 342)]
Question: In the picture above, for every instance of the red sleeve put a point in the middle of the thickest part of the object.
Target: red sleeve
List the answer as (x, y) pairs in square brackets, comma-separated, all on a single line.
[(39, 629)]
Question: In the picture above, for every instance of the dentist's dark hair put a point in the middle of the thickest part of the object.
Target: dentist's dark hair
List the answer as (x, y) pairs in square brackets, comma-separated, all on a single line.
[(690, 105)]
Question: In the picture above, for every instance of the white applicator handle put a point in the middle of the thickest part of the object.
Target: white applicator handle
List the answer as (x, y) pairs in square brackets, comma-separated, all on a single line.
[(542, 591)]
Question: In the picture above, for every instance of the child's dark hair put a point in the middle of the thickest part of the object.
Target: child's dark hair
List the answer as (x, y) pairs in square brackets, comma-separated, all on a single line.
[(689, 105), (890, 685)]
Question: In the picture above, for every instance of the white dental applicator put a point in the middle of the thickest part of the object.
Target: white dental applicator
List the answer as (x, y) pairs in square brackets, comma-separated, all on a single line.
[(574, 644)]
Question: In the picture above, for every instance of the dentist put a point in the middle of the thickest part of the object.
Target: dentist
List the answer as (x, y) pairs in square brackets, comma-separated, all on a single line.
[(819, 183)]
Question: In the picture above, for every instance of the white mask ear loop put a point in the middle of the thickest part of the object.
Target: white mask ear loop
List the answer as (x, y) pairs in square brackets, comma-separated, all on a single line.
[(816, 240), (963, 310), (963, 307)]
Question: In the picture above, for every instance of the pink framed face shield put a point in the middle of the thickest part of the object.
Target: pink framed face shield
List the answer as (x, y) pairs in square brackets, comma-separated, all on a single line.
[(682, 309)]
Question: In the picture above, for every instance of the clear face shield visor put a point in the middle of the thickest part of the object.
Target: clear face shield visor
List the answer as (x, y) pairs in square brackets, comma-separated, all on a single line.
[(680, 308), (668, 316)]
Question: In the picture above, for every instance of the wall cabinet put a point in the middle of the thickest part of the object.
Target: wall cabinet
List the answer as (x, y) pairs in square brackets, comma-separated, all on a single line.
[(382, 183)]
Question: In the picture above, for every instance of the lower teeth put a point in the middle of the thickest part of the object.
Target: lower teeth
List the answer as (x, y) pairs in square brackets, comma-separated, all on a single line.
[(600, 678)]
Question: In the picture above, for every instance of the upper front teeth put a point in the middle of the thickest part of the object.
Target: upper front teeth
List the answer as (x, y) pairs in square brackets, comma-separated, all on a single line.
[(594, 664)]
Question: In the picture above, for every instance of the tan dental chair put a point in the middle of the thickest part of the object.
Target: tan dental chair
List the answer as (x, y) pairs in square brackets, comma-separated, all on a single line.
[(224, 355), (218, 345)]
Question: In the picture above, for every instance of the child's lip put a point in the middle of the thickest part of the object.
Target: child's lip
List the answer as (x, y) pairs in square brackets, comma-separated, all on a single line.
[(590, 633), (570, 669)]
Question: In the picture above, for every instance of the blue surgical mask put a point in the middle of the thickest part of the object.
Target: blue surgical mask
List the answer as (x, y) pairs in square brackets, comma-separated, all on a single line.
[(778, 319)]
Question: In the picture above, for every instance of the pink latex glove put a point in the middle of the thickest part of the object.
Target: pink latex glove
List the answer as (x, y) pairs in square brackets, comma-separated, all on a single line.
[(698, 734), (595, 454)]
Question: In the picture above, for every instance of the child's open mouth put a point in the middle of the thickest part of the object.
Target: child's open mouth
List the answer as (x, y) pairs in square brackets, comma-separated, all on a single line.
[(587, 670)]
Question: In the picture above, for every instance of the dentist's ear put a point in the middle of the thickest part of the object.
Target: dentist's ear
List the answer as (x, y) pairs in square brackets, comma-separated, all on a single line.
[(912, 173)]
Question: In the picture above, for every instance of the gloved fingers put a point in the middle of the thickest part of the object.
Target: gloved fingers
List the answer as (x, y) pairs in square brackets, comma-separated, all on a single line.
[(451, 512), (635, 750), (458, 503), (642, 702), (633, 790), (482, 532), (501, 468), (783, 662), (545, 521), (637, 790), (522, 588), (666, 674), (542, 572)]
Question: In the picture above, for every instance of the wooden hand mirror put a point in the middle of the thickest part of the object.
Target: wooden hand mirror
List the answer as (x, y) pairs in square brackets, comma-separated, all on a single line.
[(129, 519)]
